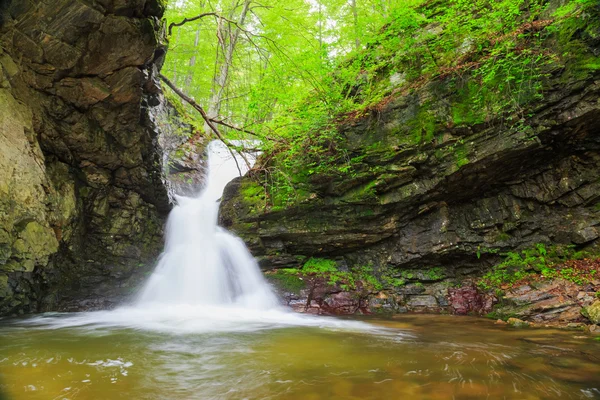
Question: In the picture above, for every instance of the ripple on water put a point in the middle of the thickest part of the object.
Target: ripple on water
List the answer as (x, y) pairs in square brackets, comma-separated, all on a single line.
[(414, 357)]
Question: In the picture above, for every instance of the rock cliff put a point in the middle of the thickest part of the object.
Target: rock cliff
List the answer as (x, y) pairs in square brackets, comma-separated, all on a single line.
[(467, 190), (81, 194)]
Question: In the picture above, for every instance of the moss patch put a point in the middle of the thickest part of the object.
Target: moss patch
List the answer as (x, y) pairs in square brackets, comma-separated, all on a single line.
[(286, 281), (542, 262)]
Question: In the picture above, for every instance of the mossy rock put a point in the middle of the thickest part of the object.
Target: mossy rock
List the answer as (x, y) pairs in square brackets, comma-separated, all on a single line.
[(592, 312), (518, 323), (5, 290), (286, 282)]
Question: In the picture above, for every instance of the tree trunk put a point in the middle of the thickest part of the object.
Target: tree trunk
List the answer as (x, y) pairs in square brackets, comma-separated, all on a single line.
[(356, 30), (228, 38), (190, 74)]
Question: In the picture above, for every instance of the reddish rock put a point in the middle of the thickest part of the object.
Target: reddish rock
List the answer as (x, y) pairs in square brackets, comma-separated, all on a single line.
[(469, 300), (322, 298), (343, 303)]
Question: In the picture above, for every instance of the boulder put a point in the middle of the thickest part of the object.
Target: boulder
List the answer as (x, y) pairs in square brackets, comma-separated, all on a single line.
[(592, 312)]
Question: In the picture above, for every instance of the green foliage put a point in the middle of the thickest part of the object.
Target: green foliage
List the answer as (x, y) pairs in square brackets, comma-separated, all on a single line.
[(503, 236), (485, 250), (319, 266), (435, 274), (253, 195), (289, 282), (309, 68), (358, 277), (496, 54), (460, 155), (538, 261), (327, 269)]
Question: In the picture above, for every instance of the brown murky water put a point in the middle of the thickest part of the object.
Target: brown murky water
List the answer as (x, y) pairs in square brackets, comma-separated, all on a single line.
[(415, 357)]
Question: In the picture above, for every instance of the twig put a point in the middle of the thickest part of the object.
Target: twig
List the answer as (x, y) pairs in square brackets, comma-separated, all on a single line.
[(243, 130)]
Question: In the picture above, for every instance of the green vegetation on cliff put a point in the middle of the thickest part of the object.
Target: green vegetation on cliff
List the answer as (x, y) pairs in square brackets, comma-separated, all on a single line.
[(359, 277), (542, 262), (491, 62), (458, 133)]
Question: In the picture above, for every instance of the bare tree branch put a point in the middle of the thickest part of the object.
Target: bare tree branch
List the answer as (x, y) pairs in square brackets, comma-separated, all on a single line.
[(197, 17), (208, 121)]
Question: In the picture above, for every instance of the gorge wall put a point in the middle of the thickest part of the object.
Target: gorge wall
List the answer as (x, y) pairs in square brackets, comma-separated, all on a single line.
[(438, 212), (82, 200)]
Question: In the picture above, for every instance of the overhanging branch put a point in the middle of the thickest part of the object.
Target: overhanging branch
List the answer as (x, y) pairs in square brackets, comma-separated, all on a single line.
[(208, 121), (197, 17)]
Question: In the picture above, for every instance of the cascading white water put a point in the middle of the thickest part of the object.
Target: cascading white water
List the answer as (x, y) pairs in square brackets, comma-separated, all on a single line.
[(202, 263), (205, 280)]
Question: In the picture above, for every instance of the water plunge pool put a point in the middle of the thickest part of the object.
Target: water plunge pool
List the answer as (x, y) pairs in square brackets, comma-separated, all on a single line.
[(407, 357)]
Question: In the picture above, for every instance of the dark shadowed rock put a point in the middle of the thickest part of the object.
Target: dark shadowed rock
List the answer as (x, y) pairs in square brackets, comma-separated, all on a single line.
[(82, 199)]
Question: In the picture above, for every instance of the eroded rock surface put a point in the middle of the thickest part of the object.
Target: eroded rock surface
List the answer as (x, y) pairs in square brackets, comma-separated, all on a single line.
[(556, 302), (81, 194), (184, 151), (516, 191), (465, 191)]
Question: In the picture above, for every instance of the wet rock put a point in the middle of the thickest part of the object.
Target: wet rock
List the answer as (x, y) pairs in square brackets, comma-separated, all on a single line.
[(422, 301), (320, 297), (592, 312), (411, 289), (186, 168), (526, 294), (183, 151), (517, 323), (341, 303), (556, 302), (470, 300), (577, 326)]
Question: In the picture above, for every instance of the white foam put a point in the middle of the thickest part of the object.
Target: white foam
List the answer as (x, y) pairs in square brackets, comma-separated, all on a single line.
[(186, 318)]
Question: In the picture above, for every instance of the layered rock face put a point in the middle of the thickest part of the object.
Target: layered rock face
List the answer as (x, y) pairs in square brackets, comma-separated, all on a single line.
[(184, 156), (81, 194), (425, 211), (449, 204)]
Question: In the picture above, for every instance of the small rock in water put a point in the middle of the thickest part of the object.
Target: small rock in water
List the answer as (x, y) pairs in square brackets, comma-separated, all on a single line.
[(594, 330), (576, 326), (517, 323)]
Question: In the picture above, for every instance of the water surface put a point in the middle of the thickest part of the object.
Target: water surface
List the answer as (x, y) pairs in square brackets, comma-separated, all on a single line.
[(408, 357)]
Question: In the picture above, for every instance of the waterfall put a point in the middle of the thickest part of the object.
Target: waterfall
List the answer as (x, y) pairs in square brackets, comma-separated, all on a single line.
[(202, 263), (205, 280)]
